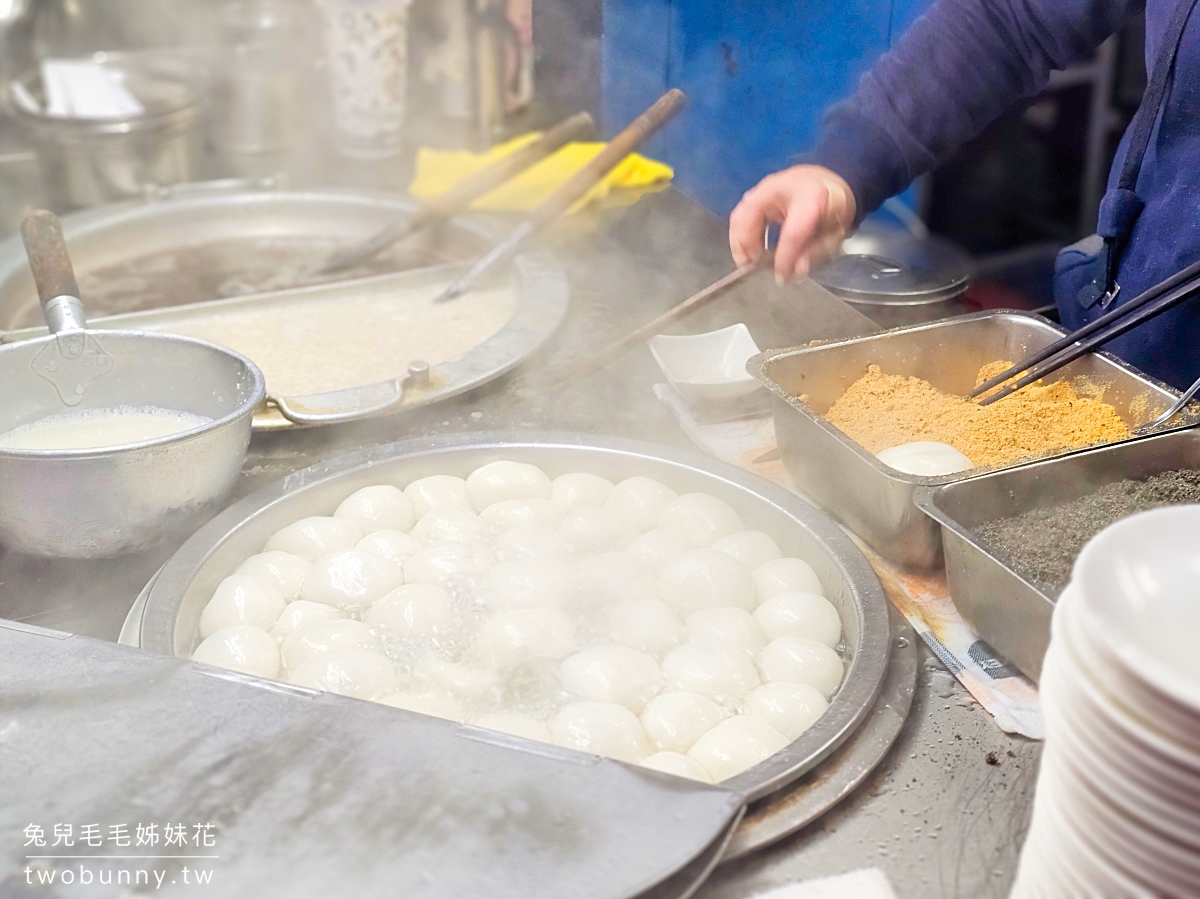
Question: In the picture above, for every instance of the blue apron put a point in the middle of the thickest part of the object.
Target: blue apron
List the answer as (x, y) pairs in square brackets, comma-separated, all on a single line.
[(1149, 222)]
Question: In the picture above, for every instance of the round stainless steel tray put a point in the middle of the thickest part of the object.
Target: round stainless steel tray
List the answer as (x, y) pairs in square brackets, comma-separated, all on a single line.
[(181, 589)]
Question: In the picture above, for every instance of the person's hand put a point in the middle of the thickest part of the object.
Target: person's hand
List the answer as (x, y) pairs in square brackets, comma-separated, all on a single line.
[(814, 207)]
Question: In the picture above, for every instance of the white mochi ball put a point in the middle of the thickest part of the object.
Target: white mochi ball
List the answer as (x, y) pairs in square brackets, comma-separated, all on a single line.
[(751, 548), (499, 481), (316, 639), (417, 612), (349, 672), (515, 513), (702, 519), (532, 541), (735, 745), (729, 625), (789, 708), (394, 546), (703, 579), (611, 672), (284, 570), (601, 728), (676, 719), (638, 502), (612, 577), (594, 529), (439, 491), (465, 681), (241, 599), (300, 613), (570, 491), (241, 648), (516, 724), (310, 538), (678, 764), (794, 660), (647, 624), (715, 670), (786, 575), (350, 579), (441, 562), (459, 525), (654, 549), (434, 705), (807, 615), (529, 584), (379, 508), (509, 638)]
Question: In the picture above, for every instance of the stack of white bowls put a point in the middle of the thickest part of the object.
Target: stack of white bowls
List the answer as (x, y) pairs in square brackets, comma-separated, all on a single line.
[(1117, 810)]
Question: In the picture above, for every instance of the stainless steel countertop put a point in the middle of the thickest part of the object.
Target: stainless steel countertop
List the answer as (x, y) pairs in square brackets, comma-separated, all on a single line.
[(938, 816)]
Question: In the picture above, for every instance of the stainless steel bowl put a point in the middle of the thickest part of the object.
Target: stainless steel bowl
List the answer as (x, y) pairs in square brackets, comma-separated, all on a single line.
[(185, 584)]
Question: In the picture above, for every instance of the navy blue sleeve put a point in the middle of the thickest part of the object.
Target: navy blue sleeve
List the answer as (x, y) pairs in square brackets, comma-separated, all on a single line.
[(959, 66)]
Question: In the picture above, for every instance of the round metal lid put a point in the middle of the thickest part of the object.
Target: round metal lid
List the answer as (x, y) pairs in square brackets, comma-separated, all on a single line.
[(889, 266)]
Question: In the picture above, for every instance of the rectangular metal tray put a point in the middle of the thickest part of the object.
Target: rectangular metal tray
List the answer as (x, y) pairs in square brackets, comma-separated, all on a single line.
[(1011, 612), (872, 499)]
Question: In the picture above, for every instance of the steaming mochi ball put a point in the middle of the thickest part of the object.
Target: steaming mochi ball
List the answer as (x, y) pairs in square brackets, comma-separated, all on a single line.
[(700, 518), (794, 660), (512, 513), (655, 548), (439, 491), (459, 525), (789, 708), (613, 673), (676, 719), (300, 613), (800, 615), (241, 599), (729, 625), (349, 672), (647, 624), (510, 638), (517, 725), (446, 561), (736, 744), (310, 538), (529, 584), (414, 612), (602, 728), (927, 458), (715, 670), (638, 502), (432, 704), (313, 640), (610, 577), (379, 508), (678, 764), (703, 579), (241, 648), (500, 481), (594, 529), (532, 541), (751, 548), (394, 546), (350, 579), (283, 570), (458, 679), (786, 575), (570, 491)]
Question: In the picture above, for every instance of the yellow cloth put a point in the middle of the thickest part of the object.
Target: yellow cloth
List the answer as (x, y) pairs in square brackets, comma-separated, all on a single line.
[(439, 170)]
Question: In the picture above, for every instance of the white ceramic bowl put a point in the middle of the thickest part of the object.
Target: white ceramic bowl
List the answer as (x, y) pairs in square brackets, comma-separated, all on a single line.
[(709, 366)]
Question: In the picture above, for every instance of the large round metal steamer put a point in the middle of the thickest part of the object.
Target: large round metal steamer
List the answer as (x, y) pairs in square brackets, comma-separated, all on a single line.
[(185, 584)]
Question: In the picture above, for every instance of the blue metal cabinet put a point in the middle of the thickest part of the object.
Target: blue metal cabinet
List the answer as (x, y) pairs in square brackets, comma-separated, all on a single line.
[(759, 76)]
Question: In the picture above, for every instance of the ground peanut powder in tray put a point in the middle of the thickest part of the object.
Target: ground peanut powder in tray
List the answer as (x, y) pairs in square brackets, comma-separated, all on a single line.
[(879, 411)]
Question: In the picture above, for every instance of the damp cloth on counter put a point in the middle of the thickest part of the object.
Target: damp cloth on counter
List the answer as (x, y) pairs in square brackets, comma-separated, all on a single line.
[(439, 170), (866, 883), (924, 599)]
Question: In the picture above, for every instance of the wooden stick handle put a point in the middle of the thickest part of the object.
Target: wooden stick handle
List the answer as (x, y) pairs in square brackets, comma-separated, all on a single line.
[(49, 261)]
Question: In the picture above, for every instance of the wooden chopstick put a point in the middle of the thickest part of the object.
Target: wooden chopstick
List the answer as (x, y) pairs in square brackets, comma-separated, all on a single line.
[(1143, 313), (1147, 296)]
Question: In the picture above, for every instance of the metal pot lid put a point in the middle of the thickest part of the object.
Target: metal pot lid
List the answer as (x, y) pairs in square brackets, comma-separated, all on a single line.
[(890, 266)]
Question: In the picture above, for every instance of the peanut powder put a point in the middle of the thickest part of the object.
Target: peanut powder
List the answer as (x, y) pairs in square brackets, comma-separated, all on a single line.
[(879, 411)]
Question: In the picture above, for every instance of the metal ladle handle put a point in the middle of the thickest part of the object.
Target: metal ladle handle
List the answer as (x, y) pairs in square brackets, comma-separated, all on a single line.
[(53, 273)]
